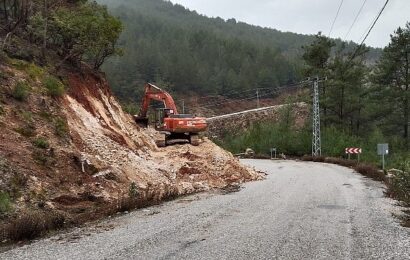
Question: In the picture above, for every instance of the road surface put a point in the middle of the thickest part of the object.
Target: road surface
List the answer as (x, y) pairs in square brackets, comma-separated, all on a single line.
[(301, 211)]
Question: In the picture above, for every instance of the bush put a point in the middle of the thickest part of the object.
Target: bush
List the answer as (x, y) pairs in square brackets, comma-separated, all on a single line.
[(318, 159), (60, 127), (34, 71), (27, 131), (54, 87), (370, 171), (21, 91), (400, 185), (307, 158), (41, 142), (32, 224), (5, 203)]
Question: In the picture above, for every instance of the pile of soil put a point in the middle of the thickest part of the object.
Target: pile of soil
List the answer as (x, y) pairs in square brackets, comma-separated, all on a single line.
[(95, 155)]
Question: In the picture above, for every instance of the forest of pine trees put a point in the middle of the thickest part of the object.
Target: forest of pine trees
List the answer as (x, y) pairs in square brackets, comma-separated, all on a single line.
[(183, 51)]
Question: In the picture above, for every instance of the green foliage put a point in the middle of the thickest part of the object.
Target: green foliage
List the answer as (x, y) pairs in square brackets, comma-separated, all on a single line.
[(60, 127), (401, 182), (27, 116), (391, 81), (41, 142), (27, 130), (19, 64), (54, 87), (5, 203), (317, 55), (34, 71), (46, 115), (21, 91), (87, 33), (131, 109)]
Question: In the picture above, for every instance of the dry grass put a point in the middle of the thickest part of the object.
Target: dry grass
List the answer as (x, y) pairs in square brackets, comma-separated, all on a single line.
[(367, 170), (370, 171), (32, 224)]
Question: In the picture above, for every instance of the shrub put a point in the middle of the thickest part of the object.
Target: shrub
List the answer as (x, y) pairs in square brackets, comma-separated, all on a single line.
[(27, 131), (34, 71), (318, 159), (40, 157), (60, 127), (32, 224), (17, 183), (130, 109), (54, 87), (400, 186), (5, 203), (370, 171), (340, 161), (307, 158), (21, 91), (41, 142)]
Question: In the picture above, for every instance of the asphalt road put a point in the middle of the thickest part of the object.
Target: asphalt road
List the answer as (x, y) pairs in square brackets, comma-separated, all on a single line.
[(302, 211)]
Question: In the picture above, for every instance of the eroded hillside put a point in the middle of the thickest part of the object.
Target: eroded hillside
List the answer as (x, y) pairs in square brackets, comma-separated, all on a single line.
[(77, 153)]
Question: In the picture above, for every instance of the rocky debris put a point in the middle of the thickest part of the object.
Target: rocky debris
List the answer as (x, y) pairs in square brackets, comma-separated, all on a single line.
[(101, 161), (123, 153), (234, 124)]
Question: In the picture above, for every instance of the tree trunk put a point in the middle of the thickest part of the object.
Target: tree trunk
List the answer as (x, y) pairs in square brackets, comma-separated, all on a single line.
[(6, 13)]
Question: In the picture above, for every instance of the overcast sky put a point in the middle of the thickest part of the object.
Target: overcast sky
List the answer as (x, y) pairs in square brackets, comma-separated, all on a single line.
[(311, 16)]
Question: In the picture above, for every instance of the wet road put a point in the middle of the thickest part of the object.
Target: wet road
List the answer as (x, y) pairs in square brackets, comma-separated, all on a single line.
[(302, 210)]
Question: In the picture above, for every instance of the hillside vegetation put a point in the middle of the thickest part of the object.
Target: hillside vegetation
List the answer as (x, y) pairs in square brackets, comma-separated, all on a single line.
[(361, 105), (187, 52), (68, 152)]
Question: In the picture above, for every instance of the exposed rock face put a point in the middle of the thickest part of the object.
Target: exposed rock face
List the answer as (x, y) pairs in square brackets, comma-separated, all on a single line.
[(239, 122), (104, 154), (109, 139)]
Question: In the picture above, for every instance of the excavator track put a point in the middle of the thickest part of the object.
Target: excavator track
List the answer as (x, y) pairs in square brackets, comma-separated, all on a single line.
[(194, 140)]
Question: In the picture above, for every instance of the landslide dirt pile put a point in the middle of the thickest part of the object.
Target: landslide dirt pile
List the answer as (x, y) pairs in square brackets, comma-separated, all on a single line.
[(80, 154)]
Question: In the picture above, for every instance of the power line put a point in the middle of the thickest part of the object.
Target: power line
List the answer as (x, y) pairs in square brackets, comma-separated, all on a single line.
[(371, 28), (273, 91), (355, 19), (337, 15)]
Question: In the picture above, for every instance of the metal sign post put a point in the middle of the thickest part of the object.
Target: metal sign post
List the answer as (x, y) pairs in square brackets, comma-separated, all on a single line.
[(271, 152), (383, 149)]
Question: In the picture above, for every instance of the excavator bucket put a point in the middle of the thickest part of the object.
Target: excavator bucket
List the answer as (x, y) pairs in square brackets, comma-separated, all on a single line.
[(141, 121)]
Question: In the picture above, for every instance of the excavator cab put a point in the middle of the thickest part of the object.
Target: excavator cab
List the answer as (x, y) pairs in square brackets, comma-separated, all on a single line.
[(160, 116), (175, 127)]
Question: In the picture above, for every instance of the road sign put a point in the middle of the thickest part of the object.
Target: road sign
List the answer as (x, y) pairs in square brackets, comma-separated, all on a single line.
[(353, 150), (382, 149)]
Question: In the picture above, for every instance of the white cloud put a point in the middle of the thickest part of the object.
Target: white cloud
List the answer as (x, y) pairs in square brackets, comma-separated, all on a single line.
[(310, 16)]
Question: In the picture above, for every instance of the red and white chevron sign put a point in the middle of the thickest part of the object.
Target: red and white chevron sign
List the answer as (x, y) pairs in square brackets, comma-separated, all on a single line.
[(353, 150)]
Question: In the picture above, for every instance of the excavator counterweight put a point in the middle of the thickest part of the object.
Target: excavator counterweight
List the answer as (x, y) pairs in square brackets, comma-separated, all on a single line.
[(174, 126)]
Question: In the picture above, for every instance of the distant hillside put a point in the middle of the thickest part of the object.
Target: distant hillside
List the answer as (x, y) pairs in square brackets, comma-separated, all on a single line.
[(185, 51)]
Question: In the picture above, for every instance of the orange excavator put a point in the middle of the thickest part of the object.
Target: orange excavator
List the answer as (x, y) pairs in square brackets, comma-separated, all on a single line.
[(175, 127)]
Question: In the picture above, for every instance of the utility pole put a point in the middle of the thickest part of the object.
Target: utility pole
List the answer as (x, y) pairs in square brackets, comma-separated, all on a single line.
[(316, 140), (183, 106), (257, 98)]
